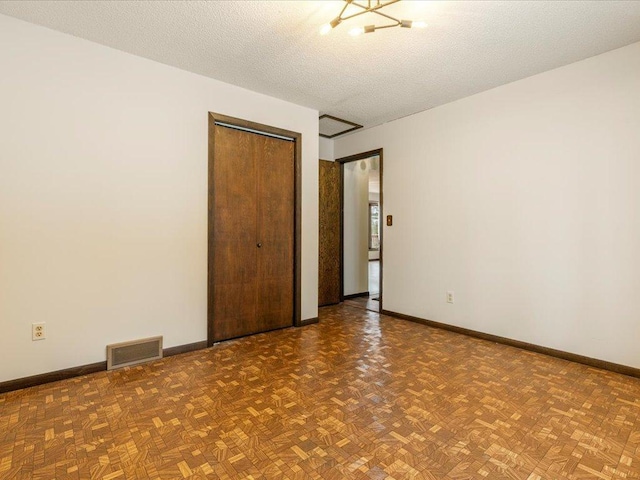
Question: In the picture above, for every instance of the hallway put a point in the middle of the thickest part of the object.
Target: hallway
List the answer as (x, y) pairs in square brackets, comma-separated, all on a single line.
[(372, 302), (374, 278)]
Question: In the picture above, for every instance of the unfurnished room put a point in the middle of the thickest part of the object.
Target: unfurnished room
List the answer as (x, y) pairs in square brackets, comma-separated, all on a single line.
[(350, 239)]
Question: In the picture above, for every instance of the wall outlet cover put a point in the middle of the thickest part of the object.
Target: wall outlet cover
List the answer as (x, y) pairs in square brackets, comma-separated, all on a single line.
[(38, 331)]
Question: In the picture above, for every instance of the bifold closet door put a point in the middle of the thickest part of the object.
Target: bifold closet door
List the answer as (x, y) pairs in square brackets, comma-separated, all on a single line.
[(275, 181), (253, 229)]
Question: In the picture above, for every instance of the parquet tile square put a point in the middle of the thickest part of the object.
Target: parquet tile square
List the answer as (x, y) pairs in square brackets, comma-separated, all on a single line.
[(358, 396)]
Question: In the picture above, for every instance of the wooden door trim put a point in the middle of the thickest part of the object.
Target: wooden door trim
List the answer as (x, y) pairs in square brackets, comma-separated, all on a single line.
[(214, 118), (342, 161)]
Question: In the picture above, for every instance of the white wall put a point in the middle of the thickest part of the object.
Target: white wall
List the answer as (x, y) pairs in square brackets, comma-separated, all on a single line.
[(374, 197), (356, 228), (325, 149), (103, 197), (524, 201)]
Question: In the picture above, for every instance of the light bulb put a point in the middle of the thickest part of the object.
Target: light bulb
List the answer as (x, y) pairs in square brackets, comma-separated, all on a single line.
[(325, 29), (354, 32), (419, 24)]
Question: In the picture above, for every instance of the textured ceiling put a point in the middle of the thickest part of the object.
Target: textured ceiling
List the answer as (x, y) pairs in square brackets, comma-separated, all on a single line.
[(274, 47)]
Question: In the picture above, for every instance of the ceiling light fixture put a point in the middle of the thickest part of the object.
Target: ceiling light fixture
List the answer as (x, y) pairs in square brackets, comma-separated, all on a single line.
[(372, 6)]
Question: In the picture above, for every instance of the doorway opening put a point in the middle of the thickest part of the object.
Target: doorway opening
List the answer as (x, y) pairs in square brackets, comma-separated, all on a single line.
[(361, 230)]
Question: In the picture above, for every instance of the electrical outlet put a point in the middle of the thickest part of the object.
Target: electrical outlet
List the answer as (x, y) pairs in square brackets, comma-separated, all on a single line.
[(449, 297), (37, 331)]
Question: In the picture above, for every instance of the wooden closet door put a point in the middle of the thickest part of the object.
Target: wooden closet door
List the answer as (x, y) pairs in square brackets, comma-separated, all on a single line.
[(234, 234), (253, 212), (275, 232)]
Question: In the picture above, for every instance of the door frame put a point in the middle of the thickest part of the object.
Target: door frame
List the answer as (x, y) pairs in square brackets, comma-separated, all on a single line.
[(215, 118), (342, 161)]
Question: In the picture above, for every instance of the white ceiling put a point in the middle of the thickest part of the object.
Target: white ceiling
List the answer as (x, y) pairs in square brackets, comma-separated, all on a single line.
[(274, 47)]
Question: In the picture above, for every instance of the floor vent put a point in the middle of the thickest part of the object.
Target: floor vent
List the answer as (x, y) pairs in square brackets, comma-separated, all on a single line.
[(132, 353)]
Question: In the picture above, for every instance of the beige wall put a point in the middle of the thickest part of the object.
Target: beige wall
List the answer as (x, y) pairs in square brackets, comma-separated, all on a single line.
[(325, 149), (103, 197), (524, 201), (374, 197), (356, 227)]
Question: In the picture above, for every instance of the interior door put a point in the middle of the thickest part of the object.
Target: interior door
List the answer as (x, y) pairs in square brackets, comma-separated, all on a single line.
[(275, 228), (329, 234), (253, 231)]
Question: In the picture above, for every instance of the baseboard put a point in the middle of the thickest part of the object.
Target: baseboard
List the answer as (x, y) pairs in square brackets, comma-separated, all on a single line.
[(309, 321), (356, 295), (189, 347), (35, 380), (572, 357), (20, 383)]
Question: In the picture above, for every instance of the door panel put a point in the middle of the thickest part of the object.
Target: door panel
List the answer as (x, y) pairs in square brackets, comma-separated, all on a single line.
[(277, 312), (235, 274), (235, 316), (329, 239), (236, 262), (275, 231), (234, 186)]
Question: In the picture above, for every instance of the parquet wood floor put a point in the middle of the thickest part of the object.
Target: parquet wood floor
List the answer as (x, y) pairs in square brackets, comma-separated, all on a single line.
[(360, 395), (368, 303)]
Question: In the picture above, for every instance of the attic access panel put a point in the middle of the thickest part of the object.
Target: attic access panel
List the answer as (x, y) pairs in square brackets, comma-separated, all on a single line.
[(331, 126)]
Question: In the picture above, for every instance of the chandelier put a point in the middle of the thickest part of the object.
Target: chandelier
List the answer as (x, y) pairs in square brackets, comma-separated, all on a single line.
[(370, 7)]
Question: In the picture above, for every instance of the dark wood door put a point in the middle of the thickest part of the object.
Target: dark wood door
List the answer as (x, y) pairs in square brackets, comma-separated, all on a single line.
[(253, 230), (275, 230), (329, 239)]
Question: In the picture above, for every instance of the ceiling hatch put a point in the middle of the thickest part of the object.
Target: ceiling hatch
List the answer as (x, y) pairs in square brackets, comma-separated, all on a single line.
[(331, 126)]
